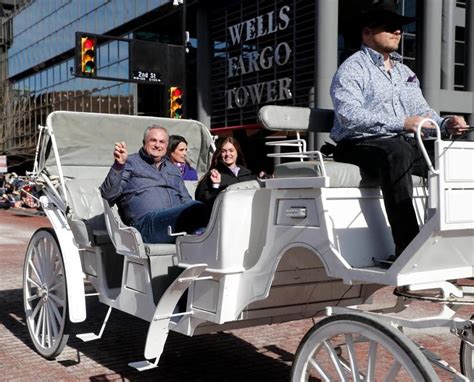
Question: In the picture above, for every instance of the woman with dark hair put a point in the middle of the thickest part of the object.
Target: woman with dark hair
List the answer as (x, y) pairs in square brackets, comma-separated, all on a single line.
[(227, 167), (177, 152)]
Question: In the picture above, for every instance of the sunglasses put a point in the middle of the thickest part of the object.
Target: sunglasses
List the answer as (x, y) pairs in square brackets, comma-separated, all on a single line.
[(392, 27)]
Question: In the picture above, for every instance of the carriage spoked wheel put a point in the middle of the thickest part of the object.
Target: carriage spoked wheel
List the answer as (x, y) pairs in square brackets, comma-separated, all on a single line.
[(44, 294), (466, 359), (358, 347)]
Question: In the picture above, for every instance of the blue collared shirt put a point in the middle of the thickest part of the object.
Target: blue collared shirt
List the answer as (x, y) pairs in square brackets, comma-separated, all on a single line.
[(369, 101)]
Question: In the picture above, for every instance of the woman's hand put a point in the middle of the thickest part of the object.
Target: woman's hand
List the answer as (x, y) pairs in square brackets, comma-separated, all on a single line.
[(215, 176)]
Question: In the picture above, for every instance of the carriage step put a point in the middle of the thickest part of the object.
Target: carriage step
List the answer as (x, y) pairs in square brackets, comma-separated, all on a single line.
[(86, 337), (143, 365)]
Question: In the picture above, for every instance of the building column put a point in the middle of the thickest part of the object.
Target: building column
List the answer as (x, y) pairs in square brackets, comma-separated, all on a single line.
[(326, 50), (327, 12), (203, 65), (448, 37), (470, 55), (431, 51)]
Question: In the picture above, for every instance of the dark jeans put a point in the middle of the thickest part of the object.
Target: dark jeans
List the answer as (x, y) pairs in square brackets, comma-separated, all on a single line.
[(393, 160), (187, 217)]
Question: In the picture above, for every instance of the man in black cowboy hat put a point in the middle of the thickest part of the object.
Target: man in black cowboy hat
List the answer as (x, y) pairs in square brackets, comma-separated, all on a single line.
[(378, 103)]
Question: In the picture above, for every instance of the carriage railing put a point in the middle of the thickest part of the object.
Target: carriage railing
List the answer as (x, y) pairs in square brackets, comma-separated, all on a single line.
[(302, 153), (56, 192), (421, 144)]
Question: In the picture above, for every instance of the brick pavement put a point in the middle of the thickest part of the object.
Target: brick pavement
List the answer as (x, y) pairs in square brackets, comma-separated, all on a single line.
[(263, 353)]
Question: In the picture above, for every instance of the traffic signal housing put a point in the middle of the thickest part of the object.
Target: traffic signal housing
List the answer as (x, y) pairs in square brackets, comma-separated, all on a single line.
[(176, 102), (88, 48)]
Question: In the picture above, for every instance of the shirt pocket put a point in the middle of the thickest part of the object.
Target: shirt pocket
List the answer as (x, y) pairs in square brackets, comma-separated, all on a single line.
[(410, 90)]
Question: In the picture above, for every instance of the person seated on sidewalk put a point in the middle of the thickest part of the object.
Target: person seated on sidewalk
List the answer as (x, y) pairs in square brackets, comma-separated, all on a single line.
[(227, 167), (149, 191), (178, 152), (378, 105)]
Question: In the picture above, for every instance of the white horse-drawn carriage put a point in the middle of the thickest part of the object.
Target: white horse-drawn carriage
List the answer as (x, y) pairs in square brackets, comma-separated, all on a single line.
[(305, 243)]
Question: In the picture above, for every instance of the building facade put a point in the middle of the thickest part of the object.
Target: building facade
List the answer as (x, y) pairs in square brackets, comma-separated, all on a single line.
[(240, 55)]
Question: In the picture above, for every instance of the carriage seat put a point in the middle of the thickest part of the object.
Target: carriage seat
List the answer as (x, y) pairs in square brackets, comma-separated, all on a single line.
[(86, 214), (317, 121), (341, 175), (236, 229), (128, 240)]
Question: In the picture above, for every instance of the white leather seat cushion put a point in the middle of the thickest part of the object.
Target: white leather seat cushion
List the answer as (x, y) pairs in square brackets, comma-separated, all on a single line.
[(342, 175)]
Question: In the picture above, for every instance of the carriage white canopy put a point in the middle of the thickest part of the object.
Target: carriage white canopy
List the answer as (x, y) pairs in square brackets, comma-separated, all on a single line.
[(85, 141)]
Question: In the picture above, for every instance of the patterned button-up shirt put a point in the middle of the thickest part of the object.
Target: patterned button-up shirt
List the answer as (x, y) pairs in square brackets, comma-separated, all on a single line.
[(370, 101)]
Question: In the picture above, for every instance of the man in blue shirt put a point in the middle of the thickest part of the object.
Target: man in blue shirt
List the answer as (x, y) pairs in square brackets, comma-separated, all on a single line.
[(150, 192), (377, 101)]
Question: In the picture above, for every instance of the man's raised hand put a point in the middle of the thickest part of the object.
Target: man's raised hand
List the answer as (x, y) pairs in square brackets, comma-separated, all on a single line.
[(120, 152)]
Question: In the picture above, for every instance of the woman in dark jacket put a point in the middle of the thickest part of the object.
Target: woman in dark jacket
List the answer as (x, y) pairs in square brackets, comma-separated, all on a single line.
[(227, 167)]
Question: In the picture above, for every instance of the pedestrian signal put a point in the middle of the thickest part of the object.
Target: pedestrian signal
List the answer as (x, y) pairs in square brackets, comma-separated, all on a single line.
[(88, 49), (176, 102)]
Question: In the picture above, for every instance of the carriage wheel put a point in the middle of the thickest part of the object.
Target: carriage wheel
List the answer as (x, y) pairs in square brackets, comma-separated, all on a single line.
[(44, 294), (466, 359), (357, 347)]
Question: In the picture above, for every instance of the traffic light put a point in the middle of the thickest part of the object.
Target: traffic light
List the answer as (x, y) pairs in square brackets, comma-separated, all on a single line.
[(176, 102), (88, 46)]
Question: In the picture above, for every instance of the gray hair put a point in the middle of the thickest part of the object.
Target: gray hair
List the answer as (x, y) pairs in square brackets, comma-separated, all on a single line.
[(151, 127)]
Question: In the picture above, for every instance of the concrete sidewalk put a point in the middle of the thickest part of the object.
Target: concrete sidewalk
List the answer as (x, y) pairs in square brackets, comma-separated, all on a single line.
[(263, 353)]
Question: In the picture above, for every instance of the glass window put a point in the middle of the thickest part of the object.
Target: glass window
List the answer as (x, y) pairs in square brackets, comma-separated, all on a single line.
[(57, 74), (108, 20), (460, 34), (43, 9), (122, 50), (141, 7), (103, 56), (120, 15), (459, 53), (130, 9), (152, 4), (113, 51), (99, 20), (459, 76), (122, 69), (409, 46), (50, 78)]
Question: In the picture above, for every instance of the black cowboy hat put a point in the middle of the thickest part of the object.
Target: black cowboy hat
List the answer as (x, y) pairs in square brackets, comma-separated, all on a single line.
[(380, 12)]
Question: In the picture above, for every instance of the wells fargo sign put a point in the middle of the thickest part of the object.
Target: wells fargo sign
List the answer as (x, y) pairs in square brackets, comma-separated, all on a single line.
[(264, 59)]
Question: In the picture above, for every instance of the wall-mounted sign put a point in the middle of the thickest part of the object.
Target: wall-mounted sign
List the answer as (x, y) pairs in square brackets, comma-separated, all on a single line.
[(268, 58)]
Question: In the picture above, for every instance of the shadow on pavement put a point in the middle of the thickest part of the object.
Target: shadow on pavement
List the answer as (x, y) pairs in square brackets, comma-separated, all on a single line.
[(211, 357)]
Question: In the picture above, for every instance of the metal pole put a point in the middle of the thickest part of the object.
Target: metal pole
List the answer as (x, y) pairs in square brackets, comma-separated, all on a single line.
[(203, 58), (448, 37), (431, 49), (185, 94), (326, 58), (470, 55)]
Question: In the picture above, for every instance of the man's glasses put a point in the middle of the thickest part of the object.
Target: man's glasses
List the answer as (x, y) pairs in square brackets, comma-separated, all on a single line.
[(392, 27)]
